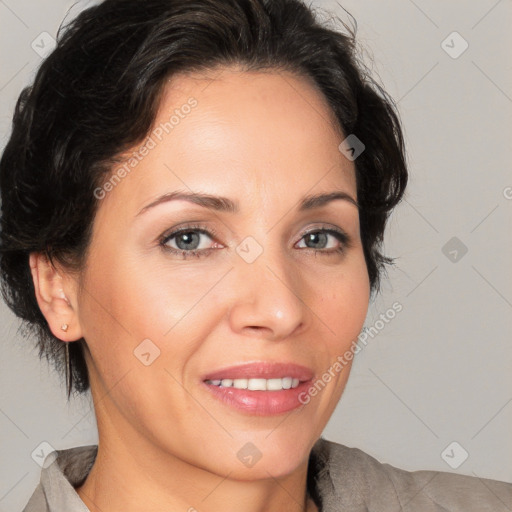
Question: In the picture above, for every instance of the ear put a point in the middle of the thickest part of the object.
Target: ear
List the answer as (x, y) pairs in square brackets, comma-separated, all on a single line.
[(56, 296)]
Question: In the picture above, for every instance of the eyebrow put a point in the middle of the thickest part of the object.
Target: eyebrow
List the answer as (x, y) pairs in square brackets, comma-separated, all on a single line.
[(224, 204)]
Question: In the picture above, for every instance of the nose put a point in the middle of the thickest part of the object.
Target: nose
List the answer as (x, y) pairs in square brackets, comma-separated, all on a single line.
[(267, 299)]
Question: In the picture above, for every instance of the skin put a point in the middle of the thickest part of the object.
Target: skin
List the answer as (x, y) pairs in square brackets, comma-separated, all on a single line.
[(265, 139)]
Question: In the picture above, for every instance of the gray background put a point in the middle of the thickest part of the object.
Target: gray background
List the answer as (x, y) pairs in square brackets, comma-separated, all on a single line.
[(435, 374)]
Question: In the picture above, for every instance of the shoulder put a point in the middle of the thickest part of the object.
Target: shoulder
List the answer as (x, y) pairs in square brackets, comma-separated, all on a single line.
[(350, 477)]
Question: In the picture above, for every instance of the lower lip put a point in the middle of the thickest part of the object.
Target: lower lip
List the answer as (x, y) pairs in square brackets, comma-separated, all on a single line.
[(260, 403)]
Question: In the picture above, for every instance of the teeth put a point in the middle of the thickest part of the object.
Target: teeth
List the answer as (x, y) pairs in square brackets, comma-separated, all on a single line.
[(274, 384), (287, 382), (257, 384), (240, 383)]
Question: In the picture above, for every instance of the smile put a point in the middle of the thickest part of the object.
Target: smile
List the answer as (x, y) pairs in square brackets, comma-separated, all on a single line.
[(261, 388), (257, 384)]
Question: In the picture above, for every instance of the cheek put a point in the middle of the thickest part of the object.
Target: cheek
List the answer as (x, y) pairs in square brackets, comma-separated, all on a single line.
[(345, 303), (136, 300), (168, 287), (343, 309)]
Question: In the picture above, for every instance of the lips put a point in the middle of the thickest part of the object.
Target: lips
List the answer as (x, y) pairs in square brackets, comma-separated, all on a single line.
[(262, 370), (253, 400)]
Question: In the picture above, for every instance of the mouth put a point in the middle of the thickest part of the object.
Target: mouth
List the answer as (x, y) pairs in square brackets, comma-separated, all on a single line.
[(260, 388)]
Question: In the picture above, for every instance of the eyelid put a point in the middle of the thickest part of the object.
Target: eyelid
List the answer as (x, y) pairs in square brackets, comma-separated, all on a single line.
[(176, 230), (326, 227)]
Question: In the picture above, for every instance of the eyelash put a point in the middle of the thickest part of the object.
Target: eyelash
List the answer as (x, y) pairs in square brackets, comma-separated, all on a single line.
[(199, 253)]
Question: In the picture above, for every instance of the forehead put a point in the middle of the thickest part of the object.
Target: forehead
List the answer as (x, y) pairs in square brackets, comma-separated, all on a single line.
[(238, 133)]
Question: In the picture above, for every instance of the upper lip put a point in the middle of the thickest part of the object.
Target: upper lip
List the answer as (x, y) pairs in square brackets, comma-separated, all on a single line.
[(262, 370)]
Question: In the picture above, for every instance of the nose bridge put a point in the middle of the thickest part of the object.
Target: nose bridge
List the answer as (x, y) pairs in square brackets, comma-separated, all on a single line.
[(272, 271), (267, 289), (264, 256)]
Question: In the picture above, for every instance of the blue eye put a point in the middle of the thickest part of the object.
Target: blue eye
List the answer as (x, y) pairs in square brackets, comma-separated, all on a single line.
[(321, 236), (188, 241)]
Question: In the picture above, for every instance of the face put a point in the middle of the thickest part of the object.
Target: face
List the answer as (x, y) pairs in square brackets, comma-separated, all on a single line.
[(179, 294)]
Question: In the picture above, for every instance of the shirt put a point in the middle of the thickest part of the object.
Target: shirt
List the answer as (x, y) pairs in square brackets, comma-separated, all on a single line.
[(339, 479)]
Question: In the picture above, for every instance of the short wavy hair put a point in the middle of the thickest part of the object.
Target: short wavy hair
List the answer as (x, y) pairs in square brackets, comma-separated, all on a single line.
[(97, 95)]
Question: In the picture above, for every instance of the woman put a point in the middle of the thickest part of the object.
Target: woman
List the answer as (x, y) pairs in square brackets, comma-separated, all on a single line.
[(194, 197)]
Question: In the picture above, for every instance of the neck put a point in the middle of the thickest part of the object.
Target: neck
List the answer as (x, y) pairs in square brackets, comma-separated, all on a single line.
[(128, 481), (131, 473)]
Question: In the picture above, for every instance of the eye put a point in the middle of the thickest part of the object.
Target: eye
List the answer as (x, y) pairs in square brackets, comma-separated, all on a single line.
[(193, 241), (326, 241), (189, 241)]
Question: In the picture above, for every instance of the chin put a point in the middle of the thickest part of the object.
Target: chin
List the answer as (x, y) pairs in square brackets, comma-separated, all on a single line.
[(275, 454), (272, 467)]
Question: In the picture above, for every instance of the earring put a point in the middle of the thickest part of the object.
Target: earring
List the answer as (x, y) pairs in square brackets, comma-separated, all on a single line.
[(68, 369), (65, 327)]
